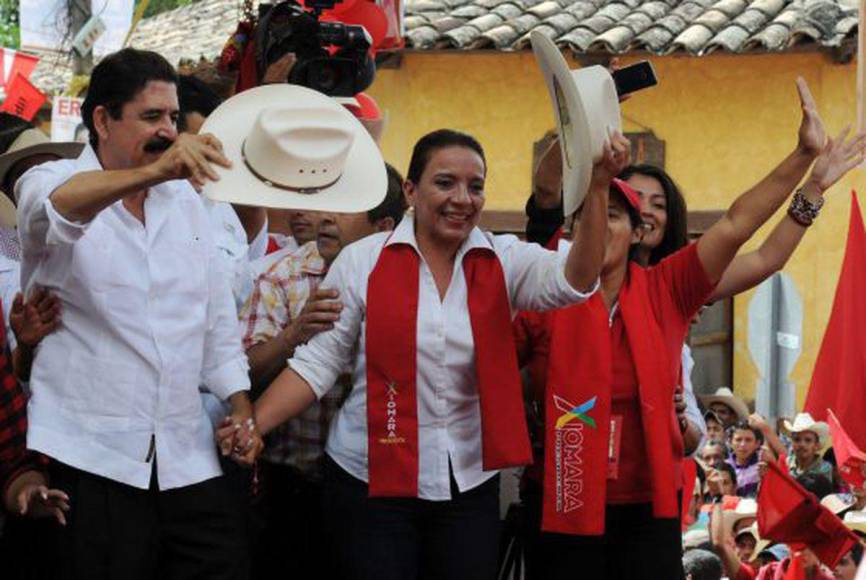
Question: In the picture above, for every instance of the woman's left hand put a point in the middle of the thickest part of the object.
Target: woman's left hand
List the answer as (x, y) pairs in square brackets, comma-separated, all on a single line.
[(839, 156)]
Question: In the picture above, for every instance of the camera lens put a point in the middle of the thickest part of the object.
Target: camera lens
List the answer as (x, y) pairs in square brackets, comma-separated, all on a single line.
[(327, 78)]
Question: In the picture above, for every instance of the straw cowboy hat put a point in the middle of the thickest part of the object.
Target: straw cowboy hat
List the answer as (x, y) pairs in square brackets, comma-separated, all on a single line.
[(855, 520), (587, 110), (725, 396), (805, 422), (30, 142), (295, 148), (746, 508)]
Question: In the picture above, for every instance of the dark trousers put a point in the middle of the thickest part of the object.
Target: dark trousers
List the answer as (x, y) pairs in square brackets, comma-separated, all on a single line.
[(635, 546), (410, 538), (27, 549), (289, 513), (118, 531)]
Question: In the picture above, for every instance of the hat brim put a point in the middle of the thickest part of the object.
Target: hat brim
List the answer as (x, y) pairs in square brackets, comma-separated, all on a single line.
[(573, 123), (737, 405), (66, 150), (361, 187)]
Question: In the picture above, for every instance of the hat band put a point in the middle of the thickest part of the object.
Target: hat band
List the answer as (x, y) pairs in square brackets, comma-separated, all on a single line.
[(273, 183)]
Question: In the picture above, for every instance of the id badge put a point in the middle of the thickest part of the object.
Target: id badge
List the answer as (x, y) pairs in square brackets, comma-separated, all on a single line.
[(613, 446)]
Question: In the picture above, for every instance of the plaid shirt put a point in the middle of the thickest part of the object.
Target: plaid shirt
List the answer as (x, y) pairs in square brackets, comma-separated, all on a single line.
[(14, 456), (278, 297)]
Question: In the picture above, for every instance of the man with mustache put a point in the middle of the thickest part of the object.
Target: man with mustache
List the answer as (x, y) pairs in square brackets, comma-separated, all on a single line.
[(122, 238)]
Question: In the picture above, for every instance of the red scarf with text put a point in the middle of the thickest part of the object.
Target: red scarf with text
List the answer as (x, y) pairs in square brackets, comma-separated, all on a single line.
[(392, 403), (578, 403)]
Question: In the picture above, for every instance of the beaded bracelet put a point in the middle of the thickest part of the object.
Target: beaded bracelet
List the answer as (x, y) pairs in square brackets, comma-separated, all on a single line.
[(804, 211)]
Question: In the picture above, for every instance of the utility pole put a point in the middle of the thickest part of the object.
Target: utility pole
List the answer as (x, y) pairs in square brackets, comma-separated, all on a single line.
[(79, 14)]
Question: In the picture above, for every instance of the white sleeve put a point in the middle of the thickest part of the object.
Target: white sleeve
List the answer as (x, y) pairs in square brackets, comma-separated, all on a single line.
[(225, 368), (326, 356), (536, 276), (693, 412), (39, 223)]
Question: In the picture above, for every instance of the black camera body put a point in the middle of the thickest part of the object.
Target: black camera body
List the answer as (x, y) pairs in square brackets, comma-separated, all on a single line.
[(287, 27)]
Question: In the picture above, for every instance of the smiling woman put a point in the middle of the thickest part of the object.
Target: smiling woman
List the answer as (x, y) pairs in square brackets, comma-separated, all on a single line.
[(426, 329)]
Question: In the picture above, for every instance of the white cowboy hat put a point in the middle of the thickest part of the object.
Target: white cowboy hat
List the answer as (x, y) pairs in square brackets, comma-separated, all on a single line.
[(295, 148), (837, 503), (805, 422), (587, 110), (30, 142), (725, 396), (760, 543)]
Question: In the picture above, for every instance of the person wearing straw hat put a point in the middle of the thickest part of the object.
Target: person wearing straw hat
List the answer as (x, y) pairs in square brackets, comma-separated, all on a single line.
[(436, 407), (121, 236), (808, 440), (728, 407)]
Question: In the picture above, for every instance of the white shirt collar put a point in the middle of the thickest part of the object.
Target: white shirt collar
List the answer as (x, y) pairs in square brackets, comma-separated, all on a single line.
[(404, 233)]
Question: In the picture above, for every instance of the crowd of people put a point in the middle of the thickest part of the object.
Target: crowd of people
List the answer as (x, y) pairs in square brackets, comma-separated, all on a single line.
[(185, 394)]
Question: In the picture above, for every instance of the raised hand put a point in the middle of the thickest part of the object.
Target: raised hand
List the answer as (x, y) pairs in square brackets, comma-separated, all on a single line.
[(838, 156), (191, 157), (614, 159), (36, 318), (812, 134)]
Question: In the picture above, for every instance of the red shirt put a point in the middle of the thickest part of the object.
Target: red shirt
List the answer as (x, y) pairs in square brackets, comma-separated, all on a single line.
[(677, 287)]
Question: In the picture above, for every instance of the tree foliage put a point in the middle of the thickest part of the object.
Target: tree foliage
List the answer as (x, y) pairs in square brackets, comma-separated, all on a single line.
[(10, 32)]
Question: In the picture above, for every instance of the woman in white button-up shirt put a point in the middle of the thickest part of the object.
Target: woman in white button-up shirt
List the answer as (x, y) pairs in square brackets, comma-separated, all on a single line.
[(450, 529)]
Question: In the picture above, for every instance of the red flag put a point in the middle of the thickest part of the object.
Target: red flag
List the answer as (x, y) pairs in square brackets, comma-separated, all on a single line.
[(796, 569), (782, 462), (690, 472), (23, 99), (789, 514), (839, 378), (849, 457)]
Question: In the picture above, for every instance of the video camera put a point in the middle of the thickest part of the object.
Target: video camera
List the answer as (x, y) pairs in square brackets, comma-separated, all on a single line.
[(287, 27)]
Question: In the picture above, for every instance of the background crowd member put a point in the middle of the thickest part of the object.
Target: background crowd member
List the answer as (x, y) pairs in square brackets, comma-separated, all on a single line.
[(715, 428), (702, 565), (721, 480), (115, 397), (712, 452), (745, 456), (726, 406), (846, 569), (433, 510), (286, 309), (809, 438)]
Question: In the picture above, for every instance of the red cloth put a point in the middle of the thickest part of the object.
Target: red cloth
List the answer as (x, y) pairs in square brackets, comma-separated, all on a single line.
[(745, 572), (690, 473), (788, 513), (23, 99), (839, 378), (392, 413), (849, 457), (574, 365)]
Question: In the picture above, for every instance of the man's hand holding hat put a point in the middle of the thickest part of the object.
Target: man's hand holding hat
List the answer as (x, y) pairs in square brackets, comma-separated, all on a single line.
[(190, 157)]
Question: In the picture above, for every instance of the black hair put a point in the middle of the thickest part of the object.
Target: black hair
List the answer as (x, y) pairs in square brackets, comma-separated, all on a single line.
[(118, 78), (815, 483), (699, 564), (727, 468), (676, 228), (394, 204), (194, 96), (11, 126), (743, 425), (432, 142)]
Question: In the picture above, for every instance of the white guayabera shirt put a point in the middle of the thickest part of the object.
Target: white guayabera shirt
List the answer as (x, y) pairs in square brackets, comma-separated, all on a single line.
[(148, 316)]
